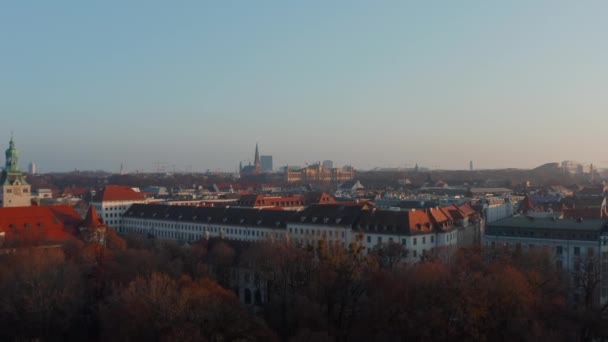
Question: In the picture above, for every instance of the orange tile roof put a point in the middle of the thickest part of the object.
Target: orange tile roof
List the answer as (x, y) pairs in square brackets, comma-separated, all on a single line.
[(438, 215), (44, 223), (118, 193)]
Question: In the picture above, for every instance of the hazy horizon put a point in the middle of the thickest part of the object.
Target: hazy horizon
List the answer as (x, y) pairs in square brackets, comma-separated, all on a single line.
[(383, 84)]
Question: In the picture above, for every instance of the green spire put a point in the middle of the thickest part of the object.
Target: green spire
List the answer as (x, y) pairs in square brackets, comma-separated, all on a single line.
[(12, 157)]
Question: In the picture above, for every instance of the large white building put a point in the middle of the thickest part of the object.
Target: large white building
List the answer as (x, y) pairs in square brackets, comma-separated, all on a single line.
[(336, 225), (113, 201), (573, 244)]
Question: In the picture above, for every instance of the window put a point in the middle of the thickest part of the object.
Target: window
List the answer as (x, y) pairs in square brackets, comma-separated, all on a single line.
[(423, 239), (369, 239), (577, 251), (559, 264), (432, 239), (404, 242), (415, 241), (379, 239), (559, 250)]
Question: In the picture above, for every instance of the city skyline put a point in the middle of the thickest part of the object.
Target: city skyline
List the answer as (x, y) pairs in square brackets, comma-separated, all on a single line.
[(91, 86)]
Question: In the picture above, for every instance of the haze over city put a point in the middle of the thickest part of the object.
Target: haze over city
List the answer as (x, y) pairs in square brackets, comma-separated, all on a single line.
[(507, 84)]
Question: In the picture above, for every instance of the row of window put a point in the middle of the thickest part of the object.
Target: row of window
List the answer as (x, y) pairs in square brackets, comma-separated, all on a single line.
[(10, 191), (203, 230), (312, 232), (251, 232), (544, 235), (559, 250)]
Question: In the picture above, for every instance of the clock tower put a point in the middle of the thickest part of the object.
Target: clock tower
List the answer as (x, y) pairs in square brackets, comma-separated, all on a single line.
[(14, 190)]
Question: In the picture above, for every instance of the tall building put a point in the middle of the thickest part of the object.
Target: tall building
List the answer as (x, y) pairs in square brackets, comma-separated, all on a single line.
[(328, 164), (266, 163), (15, 192), (32, 168)]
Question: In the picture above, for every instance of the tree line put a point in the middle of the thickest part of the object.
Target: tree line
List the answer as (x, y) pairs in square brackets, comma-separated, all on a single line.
[(153, 290)]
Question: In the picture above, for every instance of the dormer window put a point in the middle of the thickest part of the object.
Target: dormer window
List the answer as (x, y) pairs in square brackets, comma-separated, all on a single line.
[(314, 219), (303, 218), (242, 220), (325, 220), (225, 219), (338, 220)]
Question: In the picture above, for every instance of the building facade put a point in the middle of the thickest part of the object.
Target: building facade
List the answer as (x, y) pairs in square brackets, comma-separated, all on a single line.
[(317, 173), (419, 232), (572, 244), (113, 201)]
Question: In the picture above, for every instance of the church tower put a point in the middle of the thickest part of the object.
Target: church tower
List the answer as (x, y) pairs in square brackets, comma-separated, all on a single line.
[(257, 163), (14, 190)]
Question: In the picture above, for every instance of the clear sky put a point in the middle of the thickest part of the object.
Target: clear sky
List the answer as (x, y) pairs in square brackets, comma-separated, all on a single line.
[(368, 83)]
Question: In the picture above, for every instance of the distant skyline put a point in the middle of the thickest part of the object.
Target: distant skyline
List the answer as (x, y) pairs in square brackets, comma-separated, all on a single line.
[(372, 84)]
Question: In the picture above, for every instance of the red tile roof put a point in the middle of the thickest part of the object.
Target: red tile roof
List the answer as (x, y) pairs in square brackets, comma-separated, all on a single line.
[(41, 223), (118, 193), (438, 215), (467, 210)]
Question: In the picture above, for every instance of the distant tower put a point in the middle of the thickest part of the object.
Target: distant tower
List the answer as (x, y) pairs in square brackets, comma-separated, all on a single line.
[(14, 190), (257, 163), (471, 165), (592, 172), (32, 168), (416, 168), (122, 172)]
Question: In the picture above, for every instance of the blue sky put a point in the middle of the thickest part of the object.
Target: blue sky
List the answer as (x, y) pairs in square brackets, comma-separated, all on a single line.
[(368, 83)]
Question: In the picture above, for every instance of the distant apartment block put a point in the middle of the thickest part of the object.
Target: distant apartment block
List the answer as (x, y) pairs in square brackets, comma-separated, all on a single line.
[(328, 164), (32, 168)]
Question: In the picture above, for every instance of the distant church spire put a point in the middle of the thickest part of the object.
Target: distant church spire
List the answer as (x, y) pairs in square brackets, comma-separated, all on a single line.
[(257, 164)]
